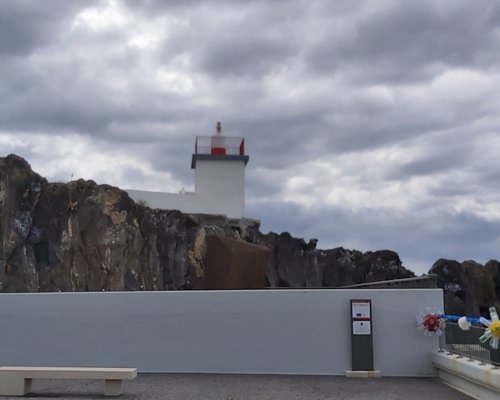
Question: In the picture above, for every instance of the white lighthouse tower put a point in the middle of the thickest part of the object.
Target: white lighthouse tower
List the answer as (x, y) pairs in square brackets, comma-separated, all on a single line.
[(219, 166)]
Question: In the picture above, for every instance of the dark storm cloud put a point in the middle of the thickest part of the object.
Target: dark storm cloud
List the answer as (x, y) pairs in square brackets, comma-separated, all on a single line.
[(173, 155), (389, 94), (444, 192), (57, 91), (253, 57), (424, 236), (408, 41), (59, 99), (358, 127), (428, 166), (436, 162), (257, 187), (26, 25), (275, 149), (321, 131), (235, 39), (492, 177), (161, 5)]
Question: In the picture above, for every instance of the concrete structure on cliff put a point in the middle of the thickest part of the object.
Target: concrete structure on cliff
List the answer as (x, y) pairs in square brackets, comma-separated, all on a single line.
[(219, 165)]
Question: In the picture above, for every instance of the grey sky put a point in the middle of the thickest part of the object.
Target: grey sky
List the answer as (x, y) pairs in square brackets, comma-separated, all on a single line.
[(369, 124)]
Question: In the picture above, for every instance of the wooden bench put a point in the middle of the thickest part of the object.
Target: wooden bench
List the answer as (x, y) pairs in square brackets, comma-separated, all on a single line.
[(16, 381)]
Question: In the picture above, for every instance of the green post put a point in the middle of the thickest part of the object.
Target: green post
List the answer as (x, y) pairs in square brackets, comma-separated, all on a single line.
[(361, 335)]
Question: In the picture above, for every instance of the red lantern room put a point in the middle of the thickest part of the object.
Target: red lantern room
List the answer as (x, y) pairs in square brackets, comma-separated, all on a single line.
[(219, 147)]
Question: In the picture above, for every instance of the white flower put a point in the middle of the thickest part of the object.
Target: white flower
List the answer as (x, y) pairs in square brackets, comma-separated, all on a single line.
[(464, 324)]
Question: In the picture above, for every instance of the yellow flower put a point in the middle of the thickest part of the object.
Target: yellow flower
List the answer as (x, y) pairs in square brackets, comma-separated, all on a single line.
[(495, 328), (493, 332)]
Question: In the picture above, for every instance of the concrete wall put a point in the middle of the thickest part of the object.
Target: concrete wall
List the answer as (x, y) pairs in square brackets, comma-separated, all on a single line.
[(473, 377), (268, 331), (219, 189)]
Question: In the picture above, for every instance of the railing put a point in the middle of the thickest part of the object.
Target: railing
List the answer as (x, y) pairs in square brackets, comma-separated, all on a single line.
[(419, 282), (466, 344), (220, 145)]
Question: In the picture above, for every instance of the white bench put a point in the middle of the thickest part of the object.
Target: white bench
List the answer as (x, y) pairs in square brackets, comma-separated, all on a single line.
[(16, 381)]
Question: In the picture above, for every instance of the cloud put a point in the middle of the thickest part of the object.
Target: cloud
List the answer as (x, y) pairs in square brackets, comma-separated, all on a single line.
[(252, 57), (368, 124), (398, 42), (71, 156), (26, 26), (420, 238)]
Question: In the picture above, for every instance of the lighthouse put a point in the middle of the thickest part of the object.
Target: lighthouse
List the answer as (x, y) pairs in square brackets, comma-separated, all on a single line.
[(219, 164), (219, 173)]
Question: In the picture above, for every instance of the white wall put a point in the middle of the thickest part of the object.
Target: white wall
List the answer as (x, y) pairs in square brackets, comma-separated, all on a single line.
[(268, 331), (219, 189), (221, 186)]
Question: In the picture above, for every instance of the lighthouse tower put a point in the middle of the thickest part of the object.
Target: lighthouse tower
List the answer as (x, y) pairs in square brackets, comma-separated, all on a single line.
[(219, 162), (219, 166)]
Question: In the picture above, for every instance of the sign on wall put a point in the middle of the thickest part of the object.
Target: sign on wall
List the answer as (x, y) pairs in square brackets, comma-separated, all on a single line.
[(361, 335)]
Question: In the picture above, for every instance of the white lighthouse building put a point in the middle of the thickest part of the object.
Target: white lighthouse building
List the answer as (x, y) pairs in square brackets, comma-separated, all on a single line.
[(219, 167)]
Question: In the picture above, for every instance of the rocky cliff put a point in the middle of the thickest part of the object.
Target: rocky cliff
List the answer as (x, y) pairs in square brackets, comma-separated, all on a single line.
[(80, 236), (469, 288)]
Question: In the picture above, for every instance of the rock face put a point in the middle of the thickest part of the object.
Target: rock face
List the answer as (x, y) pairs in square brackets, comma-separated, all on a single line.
[(349, 267), (469, 287), (81, 236)]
